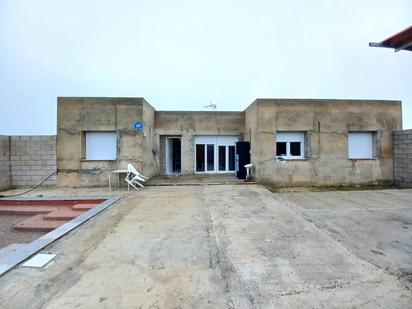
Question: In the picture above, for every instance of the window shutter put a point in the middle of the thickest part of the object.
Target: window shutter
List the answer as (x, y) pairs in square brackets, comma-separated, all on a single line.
[(360, 145), (101, 145)]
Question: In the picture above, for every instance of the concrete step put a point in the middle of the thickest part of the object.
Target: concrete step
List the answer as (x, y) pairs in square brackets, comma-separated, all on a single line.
[(168, 184), (24, 210), (38, 224), (84, 206), (65, 214)]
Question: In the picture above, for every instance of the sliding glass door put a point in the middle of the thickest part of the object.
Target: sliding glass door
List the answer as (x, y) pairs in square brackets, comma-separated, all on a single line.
[(231, 158), (222, 158), (226, 157), (215, 154), (200, 158), (210, 157), (205, 159)]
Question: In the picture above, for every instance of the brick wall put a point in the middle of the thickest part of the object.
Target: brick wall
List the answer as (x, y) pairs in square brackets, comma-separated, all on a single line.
[(5, 180), (29, 159), (403, 158)]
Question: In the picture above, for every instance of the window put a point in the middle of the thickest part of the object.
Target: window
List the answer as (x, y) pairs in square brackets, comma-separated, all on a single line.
[(295, 149), (280, 149), (290, 145), (101, 145), (363, 145)]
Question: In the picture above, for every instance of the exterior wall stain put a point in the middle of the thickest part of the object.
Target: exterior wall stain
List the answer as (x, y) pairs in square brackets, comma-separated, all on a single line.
[(325, 122)]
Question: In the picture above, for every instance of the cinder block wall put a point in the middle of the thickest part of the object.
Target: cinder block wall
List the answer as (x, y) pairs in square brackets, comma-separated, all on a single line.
[(32, 159), (403, 158), (5, 180), (27, 160)]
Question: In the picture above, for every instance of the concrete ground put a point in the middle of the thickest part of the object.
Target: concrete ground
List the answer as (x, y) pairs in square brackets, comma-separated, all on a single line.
[(375, 225), (228, 246)]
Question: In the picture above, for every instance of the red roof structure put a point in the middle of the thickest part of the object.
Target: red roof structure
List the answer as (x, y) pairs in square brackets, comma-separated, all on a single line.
[(399, 41)]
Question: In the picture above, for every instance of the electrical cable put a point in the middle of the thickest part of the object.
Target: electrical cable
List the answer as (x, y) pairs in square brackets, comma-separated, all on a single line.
[(31, 189), (154, 151)]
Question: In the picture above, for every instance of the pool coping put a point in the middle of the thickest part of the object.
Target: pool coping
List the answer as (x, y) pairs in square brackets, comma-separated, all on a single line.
[(27, 250)]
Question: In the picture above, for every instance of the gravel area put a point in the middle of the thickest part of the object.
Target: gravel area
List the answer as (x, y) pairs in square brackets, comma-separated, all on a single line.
[(8, 235)]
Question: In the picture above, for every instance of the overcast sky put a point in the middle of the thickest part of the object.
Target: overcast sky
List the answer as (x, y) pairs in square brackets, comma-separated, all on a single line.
[(182, 55)]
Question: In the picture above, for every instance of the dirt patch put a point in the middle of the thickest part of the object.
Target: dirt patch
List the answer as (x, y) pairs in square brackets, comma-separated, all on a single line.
[(8, 235), (278, 189)]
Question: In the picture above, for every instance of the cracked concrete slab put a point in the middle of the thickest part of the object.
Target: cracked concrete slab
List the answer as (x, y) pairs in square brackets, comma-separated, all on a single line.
[(204, 246), (375, 225)]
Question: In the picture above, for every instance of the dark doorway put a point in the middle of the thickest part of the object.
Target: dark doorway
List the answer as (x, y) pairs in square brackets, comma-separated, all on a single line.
[(173, 155)]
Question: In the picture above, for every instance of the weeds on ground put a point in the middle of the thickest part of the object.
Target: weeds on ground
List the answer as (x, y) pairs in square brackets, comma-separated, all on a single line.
[(279, 189)]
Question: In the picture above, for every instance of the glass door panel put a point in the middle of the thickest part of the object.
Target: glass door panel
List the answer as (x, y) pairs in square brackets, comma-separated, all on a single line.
[(231, 158), (210, 157), (200, 158), (222, 158)]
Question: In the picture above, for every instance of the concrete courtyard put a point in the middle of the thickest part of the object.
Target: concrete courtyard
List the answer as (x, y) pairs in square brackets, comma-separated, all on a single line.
[(228, 246)]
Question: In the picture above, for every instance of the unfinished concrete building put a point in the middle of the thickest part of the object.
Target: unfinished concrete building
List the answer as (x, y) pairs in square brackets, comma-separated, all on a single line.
[(292, 141)]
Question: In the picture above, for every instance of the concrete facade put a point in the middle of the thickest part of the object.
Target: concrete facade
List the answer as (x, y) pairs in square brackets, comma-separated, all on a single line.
[(75, 116), (403, 158), (27, 160), (325, 123), (189, 124)]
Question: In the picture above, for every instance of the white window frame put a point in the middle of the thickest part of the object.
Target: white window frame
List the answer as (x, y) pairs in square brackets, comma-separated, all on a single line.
[(106, 141), (291, 137), (216, 140), (361, 145)]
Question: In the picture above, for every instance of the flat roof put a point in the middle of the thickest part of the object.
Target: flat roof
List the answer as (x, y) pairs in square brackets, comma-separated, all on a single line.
[(399, 41)]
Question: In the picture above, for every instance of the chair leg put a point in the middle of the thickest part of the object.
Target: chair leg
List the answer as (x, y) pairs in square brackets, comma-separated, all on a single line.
[(129, 182), (137, 181)]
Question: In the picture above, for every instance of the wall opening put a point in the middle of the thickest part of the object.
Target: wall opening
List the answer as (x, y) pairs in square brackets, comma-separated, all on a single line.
[(173, 155)]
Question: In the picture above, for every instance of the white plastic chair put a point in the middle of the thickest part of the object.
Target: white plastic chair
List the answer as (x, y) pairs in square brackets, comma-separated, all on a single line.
[(133, 177), (248, 169)]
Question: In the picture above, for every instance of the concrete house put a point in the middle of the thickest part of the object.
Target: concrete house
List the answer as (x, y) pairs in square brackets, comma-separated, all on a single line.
[(292, 141)]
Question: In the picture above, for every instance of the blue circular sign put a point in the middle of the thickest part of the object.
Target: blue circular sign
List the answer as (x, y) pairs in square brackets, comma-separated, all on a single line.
[(138, 126)]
